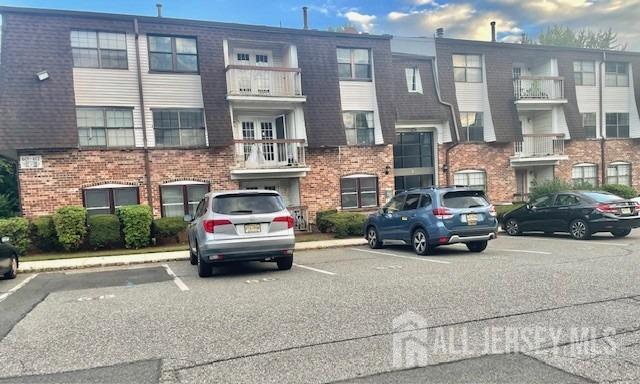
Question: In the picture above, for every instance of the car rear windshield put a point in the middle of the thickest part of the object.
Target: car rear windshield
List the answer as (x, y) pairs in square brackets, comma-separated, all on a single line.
[(465, 199), (602, 197), (245, 204)]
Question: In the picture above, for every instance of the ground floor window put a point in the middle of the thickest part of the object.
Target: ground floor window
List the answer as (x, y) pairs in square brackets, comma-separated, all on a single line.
[(619, 173), (181, 199), (472, 178), (107, 200), (359, 191), (584, 174)]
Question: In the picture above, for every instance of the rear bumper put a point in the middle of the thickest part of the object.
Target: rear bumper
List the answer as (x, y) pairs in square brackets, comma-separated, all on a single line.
[(606, 224), (467, 239), (247, 249)]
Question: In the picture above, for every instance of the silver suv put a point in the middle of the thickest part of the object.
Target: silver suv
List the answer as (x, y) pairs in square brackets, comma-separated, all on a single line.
[(247, 225)]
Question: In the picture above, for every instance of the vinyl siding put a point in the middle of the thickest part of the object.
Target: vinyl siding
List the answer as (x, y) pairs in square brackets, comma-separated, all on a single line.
[(474, 97), (361, 96)]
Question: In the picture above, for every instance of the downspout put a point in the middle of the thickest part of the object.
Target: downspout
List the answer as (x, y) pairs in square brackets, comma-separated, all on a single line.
[(147, 166), (603, 162), (436, 81)]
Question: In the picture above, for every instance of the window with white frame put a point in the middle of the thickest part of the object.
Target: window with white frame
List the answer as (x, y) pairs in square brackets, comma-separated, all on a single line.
[(584, 72), (93, 49), (179, 127), (467, 68), (617, 125), (359, 191), (472, 126), (359, 127), (181, 199), (584, 174), (616, 74), (471, 178), (414, 83), (619, 173), (173, 54), (354, 63), (106, 199), (105, 127), (589, 124)]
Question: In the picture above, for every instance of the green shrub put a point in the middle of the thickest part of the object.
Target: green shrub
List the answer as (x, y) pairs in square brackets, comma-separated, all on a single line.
[(17, 230), (136, 225), (43, 233), (343, 224), (104, 231), (71, 226), (556, 185), (624, 191), (167, 227), (583, 186), (502, 210)]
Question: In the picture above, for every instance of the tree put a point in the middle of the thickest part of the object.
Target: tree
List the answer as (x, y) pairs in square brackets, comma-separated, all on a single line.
[(8, 189), (562, 36), (345, 28)]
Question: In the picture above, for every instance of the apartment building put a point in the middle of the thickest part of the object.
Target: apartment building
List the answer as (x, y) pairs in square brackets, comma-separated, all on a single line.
[(105, 110)]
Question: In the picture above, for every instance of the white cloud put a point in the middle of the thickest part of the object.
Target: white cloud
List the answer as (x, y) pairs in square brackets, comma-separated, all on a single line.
[(394, 16), (361, 20)]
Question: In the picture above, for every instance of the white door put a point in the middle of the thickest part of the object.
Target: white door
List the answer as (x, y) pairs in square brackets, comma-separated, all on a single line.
[(269, 153)]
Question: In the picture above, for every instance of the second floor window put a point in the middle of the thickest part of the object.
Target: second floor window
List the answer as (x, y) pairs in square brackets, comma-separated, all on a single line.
[(105, 127), (472, 126), (359, 128), (617, 125), (589, 124), (179, 127), (354, 63), (616, 75), (173, 54), (467, 68), (93, 49), (584, 72)]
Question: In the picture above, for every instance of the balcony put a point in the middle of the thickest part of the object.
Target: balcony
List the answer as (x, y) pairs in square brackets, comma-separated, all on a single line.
[(246, 82), (257, 158), (538, 149), (539, 89)]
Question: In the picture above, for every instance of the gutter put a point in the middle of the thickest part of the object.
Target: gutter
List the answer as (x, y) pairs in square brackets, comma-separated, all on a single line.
[(445, 167), (147, 166), (603, 162)]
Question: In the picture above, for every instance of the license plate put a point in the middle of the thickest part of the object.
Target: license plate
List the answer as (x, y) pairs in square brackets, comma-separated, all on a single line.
[(251, 228), (472, 219), (626, 211)]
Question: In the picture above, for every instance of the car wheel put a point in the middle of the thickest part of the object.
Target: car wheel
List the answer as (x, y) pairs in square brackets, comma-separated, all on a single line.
[(372, 238), (621, 232), (204, 269), (284, 263), (13, 272), (579, 229), (420, 242), (477, 246), (512, 227), (193, 258)]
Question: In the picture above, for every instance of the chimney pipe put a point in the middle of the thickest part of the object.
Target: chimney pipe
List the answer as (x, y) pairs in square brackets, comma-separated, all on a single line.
[(493, 31), (159, 6), (440, 32), (306, 17)]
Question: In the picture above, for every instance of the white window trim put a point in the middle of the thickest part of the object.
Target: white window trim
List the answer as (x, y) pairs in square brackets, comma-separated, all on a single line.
[(412, 75)]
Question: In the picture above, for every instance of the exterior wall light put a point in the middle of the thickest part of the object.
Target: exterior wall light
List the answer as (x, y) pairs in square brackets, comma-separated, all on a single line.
[(42, 75)]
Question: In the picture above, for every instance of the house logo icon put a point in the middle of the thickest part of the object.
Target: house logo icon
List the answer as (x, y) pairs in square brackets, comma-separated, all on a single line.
[(410, 336)]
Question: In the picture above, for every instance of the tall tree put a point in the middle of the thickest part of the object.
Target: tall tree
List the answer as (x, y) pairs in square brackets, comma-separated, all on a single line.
[(8, 189), (582, 38)]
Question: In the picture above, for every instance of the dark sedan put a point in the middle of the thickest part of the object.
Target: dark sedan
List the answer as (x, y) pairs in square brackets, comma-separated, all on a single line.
[(8, 260), (580, 213)]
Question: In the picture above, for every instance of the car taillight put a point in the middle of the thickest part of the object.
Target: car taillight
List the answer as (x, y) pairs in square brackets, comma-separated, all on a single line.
[(492, 211), (606, 208), (284, 219), (210, 225), (442, 213)]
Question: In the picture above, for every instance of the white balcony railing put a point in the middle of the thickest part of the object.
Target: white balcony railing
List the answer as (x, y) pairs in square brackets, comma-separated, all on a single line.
[(539, 145), (264, 154), (244, 80), (538, 88), (301, 217)]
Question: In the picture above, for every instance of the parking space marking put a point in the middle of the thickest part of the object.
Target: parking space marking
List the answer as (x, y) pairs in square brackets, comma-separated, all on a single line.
[(521, 251), (14, 289), (178, 281), (402, 256), (315, 269)]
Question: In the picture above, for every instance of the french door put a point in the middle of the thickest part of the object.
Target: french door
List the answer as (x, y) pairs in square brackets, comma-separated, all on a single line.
[(256, 82), (269, 131)]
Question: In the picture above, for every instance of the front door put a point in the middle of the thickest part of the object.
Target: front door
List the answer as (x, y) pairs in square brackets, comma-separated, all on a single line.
[(522, 185)]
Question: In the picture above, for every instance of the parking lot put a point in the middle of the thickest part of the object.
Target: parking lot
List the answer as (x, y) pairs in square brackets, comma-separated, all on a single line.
[(331, 318)]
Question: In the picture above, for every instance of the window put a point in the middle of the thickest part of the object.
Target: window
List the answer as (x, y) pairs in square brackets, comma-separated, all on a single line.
[(395, 204), (619, 173), (359, 128), (414, 84), (413, 150), (543, 202), (589, 124), (467, 68), (264, 59), (584, 174), (472, 126), (617, 124), (354, 63), (473, 179), (181, 199), (173, 54), (105, 127), (413, 199), (93, 49), (566, 200), (359, 191), (107, 200), (183, 128), (404, 183), (584, 72), (616, 75), (425, 201)]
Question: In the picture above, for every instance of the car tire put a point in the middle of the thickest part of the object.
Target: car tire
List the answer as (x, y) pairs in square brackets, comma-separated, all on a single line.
[(621, 232), (204, 269), (477, 246), (579, 229), (512, 227), (373, 239), (13, 272), (420, 242), (193, 258), (285, 263)]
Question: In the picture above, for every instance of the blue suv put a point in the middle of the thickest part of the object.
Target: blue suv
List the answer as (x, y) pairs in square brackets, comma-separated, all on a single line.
[(433, 216)]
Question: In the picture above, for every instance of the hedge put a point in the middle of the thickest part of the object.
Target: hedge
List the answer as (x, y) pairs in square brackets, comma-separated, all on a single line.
[(168, 227), (343, 224), (104, 231), (71, 226), (17, 230), (624, 191), (136, 225), (43, 233)]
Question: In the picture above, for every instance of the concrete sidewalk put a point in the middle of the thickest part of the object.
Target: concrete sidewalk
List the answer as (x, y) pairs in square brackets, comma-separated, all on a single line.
[(157, 257)]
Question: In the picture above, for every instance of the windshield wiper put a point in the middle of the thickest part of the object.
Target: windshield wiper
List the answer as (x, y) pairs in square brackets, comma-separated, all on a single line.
[(242, 211)]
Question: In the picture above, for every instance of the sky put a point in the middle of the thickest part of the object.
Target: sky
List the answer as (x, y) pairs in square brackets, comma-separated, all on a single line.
[(459, 18)]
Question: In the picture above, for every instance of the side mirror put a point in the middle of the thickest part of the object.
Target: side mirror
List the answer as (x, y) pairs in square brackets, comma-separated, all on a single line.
[(4, 239), (188, 218)]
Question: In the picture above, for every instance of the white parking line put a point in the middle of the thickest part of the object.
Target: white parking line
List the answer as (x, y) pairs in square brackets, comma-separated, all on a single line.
[(521, 251), (403, 257), (315, 269), (178, 281), (14, 289)]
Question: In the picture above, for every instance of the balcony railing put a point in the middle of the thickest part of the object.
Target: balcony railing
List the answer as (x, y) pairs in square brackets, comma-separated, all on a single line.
[(300, 216), (244, 80), (538, 88), (265, 154), (539, 145)]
